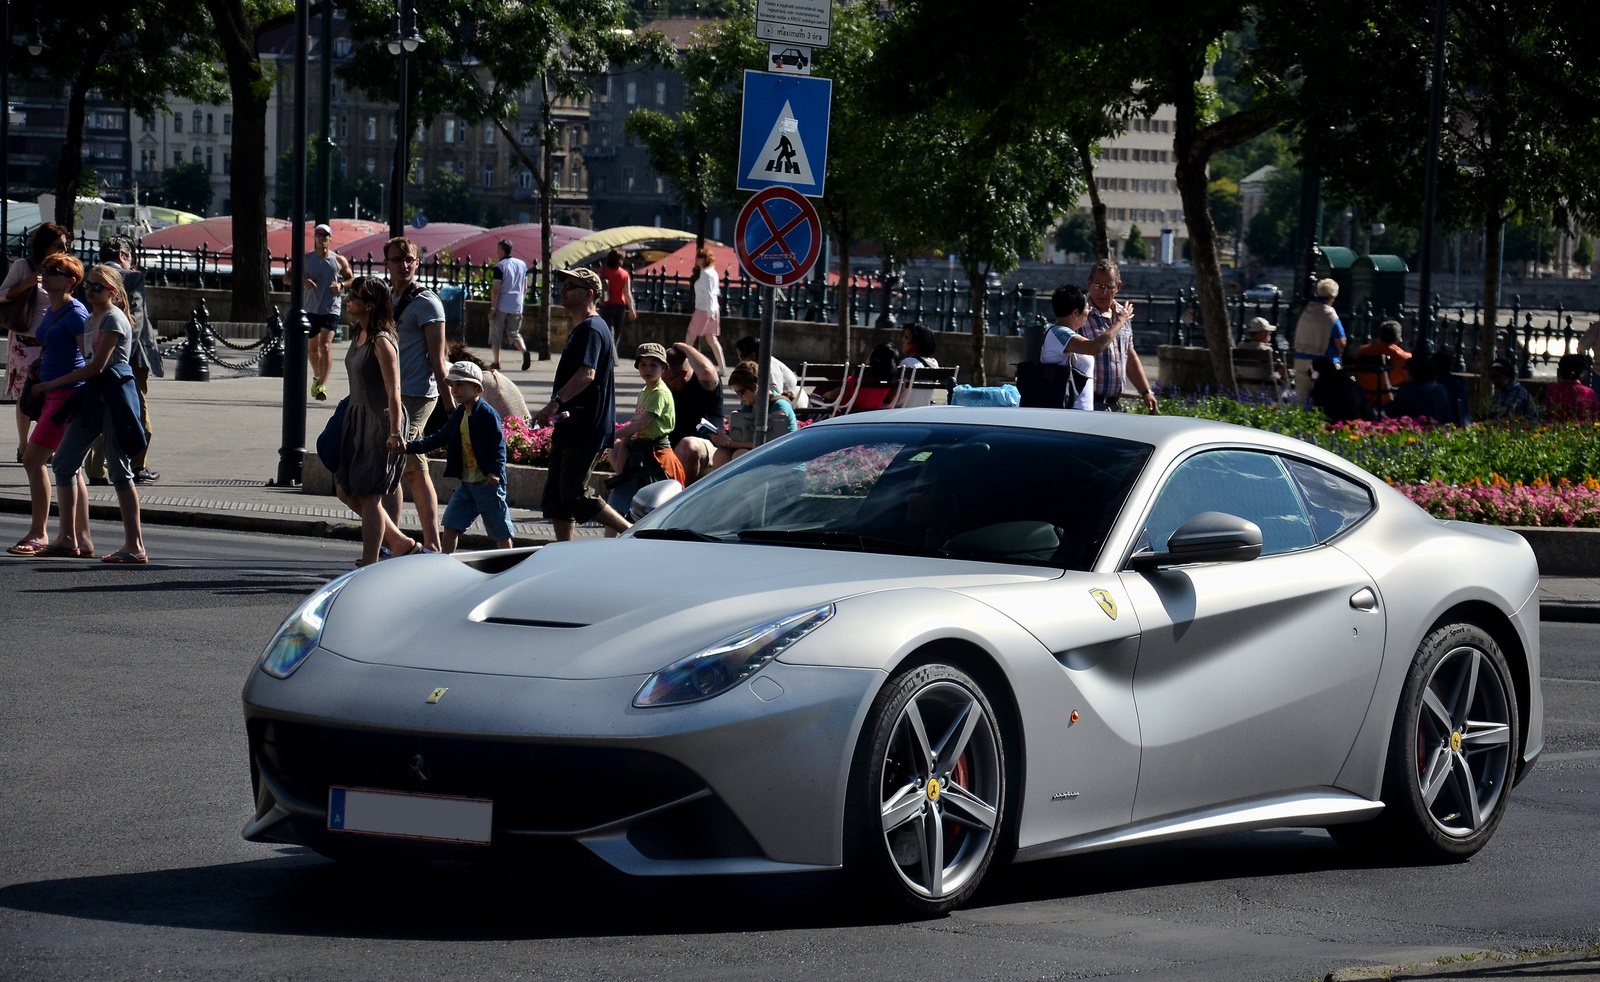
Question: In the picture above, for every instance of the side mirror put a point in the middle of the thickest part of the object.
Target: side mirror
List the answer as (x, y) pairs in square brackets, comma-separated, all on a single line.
[(653, 496), (1209, 537)]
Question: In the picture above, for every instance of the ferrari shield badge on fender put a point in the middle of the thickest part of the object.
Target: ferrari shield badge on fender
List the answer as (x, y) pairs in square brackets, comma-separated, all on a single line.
[(1106, 602), (438, 694)]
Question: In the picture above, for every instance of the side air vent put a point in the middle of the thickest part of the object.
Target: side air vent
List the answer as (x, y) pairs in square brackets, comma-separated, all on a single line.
[(529, 622)]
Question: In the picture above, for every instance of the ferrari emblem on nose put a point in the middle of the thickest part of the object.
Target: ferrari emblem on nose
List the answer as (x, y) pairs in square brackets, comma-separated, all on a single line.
[(1106, 602), (439, 693)]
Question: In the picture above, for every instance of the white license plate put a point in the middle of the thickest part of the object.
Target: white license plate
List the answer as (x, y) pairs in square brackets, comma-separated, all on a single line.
[(410, 816)]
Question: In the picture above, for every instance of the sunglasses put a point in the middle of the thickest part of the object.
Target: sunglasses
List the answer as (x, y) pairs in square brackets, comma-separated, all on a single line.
[(55, 271), (94, 287)]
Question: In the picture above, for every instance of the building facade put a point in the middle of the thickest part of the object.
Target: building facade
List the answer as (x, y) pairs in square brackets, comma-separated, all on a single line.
[(1133, 174), (39, 129)]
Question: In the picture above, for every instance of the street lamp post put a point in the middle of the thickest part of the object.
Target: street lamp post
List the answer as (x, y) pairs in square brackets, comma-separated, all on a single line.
[(291, 454), (404, 41), (324, 209)]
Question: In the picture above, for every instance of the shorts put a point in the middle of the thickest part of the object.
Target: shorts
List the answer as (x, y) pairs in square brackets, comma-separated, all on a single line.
[(505, 327), (323, 322), (614, 314), (698, 446), (417, 409), (567, 494), (80, 436), (706, 323), (47, 433), (479, 498)]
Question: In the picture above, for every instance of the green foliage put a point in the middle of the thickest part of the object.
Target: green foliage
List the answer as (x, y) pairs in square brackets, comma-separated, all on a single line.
[(1530, 242), (343, 190), (186, 187), (1076, 234), (447, 198), (1224, 195), (1583, 253), (88, 183), (365, 188), (1134, 250)]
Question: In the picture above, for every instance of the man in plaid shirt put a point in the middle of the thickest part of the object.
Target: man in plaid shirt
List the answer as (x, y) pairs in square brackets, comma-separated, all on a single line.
[(1119, 364)]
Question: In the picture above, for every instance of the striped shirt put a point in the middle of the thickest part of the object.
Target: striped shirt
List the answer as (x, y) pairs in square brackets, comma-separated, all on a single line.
[(1111, 365)]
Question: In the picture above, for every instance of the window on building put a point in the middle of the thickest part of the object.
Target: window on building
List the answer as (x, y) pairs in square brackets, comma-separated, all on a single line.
[(526, 139), (661, 186), (449, 131), (608, 88), (372, 127), (341, 48), (372, 165), (177, 158), (211, 122), (227, 124), (147, 160), (392, 125), (627, 178), (196, 119), (555, 177), (417, 174), (661, 93), (177, 122), (488, 175), (194, 154), (146, 124), (227, 163), (488, 134), (599, 183), (209, 168), (344, 127), (633, 93)]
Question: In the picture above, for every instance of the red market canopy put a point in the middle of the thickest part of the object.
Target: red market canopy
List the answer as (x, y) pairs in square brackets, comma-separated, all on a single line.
[(214, 234), (431, 238), (525, 242), (681, 262), (280, 241)]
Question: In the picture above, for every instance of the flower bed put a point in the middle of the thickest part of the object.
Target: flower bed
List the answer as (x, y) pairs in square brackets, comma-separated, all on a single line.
[(1499, 472), (526, 445)]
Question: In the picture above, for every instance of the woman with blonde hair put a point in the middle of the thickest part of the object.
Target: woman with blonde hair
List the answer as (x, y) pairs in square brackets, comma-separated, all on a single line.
[(60, 336), (367, 470), (707, 319), (110, 409)]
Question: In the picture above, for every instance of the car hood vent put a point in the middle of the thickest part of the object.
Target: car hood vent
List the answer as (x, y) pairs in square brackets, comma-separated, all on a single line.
[(530, 622)]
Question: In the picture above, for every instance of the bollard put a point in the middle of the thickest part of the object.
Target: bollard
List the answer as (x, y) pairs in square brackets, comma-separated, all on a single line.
[(202, 313), (192, 365), (272, 358)]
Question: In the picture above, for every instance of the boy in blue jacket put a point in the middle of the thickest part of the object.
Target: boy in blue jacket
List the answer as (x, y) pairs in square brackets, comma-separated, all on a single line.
[(476, 453)]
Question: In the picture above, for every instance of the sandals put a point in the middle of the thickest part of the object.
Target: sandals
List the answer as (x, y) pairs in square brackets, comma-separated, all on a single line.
[(125, 559), (29, 547), (53, 551)]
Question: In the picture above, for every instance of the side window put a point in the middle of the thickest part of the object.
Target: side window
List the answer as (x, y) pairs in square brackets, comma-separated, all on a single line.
[(1335, 503), (1252, 486)]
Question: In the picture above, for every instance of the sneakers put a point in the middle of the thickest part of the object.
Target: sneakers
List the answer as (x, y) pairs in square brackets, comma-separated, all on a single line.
[(145, 475), (319, 391), (527, 358)]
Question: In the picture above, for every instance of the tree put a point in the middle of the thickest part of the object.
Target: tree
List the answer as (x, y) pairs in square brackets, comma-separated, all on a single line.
[(236, 24), (1134, 250), (1583, 255), (187, 187), (1076, 235), (365, 192), (479, 61), (135, 54), (283, 192), (447, 198), (1224, 198)]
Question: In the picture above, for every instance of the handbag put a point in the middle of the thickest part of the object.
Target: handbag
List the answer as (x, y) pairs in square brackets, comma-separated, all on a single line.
[(1042, 386), (31, 403), (16, 314), (328, 442)]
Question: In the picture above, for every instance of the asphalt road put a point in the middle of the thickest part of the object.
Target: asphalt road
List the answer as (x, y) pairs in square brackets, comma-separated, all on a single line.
[(124, 783)]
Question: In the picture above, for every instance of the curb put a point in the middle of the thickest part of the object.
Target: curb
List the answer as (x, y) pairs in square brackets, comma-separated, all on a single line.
[(1481, 965), (1569, 613), (228, 522)]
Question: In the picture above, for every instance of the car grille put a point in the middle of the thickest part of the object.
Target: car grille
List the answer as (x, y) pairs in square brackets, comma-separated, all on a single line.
[(535, 787)]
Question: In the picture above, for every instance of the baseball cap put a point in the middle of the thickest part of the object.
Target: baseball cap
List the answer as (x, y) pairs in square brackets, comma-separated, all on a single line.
[(588, 277), (465, 371), (1261, 324), (650, 350), (322, 230)]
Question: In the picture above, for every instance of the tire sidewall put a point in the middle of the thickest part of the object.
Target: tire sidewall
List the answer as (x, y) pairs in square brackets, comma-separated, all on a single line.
[(866, 853), (1402, 792)]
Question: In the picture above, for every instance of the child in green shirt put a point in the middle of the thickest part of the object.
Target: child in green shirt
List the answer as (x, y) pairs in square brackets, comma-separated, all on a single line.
[(642, 453)]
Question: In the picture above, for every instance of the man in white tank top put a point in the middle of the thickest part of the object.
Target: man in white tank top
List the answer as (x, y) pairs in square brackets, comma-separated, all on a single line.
[(328, 275)]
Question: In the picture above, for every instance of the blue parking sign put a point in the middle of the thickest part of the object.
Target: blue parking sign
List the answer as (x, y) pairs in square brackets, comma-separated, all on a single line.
[(783, 139)]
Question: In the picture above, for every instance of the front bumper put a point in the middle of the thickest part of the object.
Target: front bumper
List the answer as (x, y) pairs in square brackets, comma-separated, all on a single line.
[(741, 783)]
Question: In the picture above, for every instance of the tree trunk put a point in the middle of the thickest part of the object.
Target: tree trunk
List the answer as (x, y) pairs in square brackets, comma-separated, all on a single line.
[(700, 226), (977, 281), (250, 87), (544, 218), (1493, 248), (843, 295), (1097, 207), (69, 171)]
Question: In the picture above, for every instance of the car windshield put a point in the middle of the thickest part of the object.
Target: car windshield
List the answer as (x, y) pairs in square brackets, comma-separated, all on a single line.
[(1013, 495)]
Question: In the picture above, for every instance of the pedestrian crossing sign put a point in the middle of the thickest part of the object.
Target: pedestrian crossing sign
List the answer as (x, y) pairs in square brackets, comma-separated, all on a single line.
[(783, 140)]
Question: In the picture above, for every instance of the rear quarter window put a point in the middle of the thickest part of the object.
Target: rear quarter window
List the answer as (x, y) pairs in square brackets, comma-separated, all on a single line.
[(1333, 502)]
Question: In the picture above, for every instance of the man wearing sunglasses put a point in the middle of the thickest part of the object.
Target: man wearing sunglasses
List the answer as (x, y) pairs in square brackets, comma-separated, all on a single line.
[(419, 322)]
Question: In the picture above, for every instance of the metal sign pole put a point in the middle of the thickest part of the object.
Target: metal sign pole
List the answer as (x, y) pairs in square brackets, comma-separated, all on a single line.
[(292, 453), (769, 308)]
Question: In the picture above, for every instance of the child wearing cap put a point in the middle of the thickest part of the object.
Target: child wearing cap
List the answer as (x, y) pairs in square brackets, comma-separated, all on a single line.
[(475, 452), (642, 453)]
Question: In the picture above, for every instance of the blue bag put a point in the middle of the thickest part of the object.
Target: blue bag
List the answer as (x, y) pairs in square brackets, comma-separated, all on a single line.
[(328, 442), (990, 395)]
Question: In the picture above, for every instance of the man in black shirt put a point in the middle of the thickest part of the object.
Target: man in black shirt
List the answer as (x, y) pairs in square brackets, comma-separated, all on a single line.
[(696, 394), (585, 388)]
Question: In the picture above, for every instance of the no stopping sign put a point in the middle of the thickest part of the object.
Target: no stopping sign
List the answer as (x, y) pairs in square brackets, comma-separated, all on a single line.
[(778, 236)]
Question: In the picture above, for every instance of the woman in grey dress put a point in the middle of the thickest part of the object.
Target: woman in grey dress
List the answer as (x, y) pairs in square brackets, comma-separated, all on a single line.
[(367, 471)]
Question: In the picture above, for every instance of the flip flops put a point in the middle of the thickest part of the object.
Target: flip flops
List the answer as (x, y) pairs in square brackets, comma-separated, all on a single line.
[(28, 547), (125, 559), (53, 551)]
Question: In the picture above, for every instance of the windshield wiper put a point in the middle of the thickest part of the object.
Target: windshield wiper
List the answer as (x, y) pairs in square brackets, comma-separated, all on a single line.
[(678, 534), (834, 540)]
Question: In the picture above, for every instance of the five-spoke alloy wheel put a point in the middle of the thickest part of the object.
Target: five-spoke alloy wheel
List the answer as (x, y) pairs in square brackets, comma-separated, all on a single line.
[(929, 791)]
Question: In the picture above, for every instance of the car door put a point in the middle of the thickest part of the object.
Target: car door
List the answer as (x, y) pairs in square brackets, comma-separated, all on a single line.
[(1253, 677)]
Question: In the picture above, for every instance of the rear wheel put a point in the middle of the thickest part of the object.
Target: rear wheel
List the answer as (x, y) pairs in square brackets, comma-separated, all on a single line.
[(1453, 752), (928, 789)]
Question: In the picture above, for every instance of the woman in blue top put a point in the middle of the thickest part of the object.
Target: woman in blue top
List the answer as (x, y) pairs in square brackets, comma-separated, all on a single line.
[(60, 336), (732, 442)]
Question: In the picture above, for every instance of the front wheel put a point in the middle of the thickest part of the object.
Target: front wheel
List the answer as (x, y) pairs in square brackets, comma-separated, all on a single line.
[(928, 791), (1453, 752)]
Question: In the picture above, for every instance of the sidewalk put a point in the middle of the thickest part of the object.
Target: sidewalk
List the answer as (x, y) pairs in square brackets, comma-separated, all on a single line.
[(216, 449)]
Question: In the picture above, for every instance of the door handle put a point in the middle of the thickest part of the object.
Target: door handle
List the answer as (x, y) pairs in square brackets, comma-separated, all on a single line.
[(1364, 599)]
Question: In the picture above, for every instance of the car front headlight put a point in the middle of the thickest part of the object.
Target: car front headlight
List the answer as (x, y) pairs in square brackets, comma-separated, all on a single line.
[(301, 631), (728, 662)]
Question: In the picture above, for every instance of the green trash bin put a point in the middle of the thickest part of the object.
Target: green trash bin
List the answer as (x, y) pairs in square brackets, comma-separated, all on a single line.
[(1380, 279), (1335, 264)]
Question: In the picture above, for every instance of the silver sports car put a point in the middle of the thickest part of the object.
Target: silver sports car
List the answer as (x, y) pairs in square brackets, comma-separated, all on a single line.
[(915, 643)]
